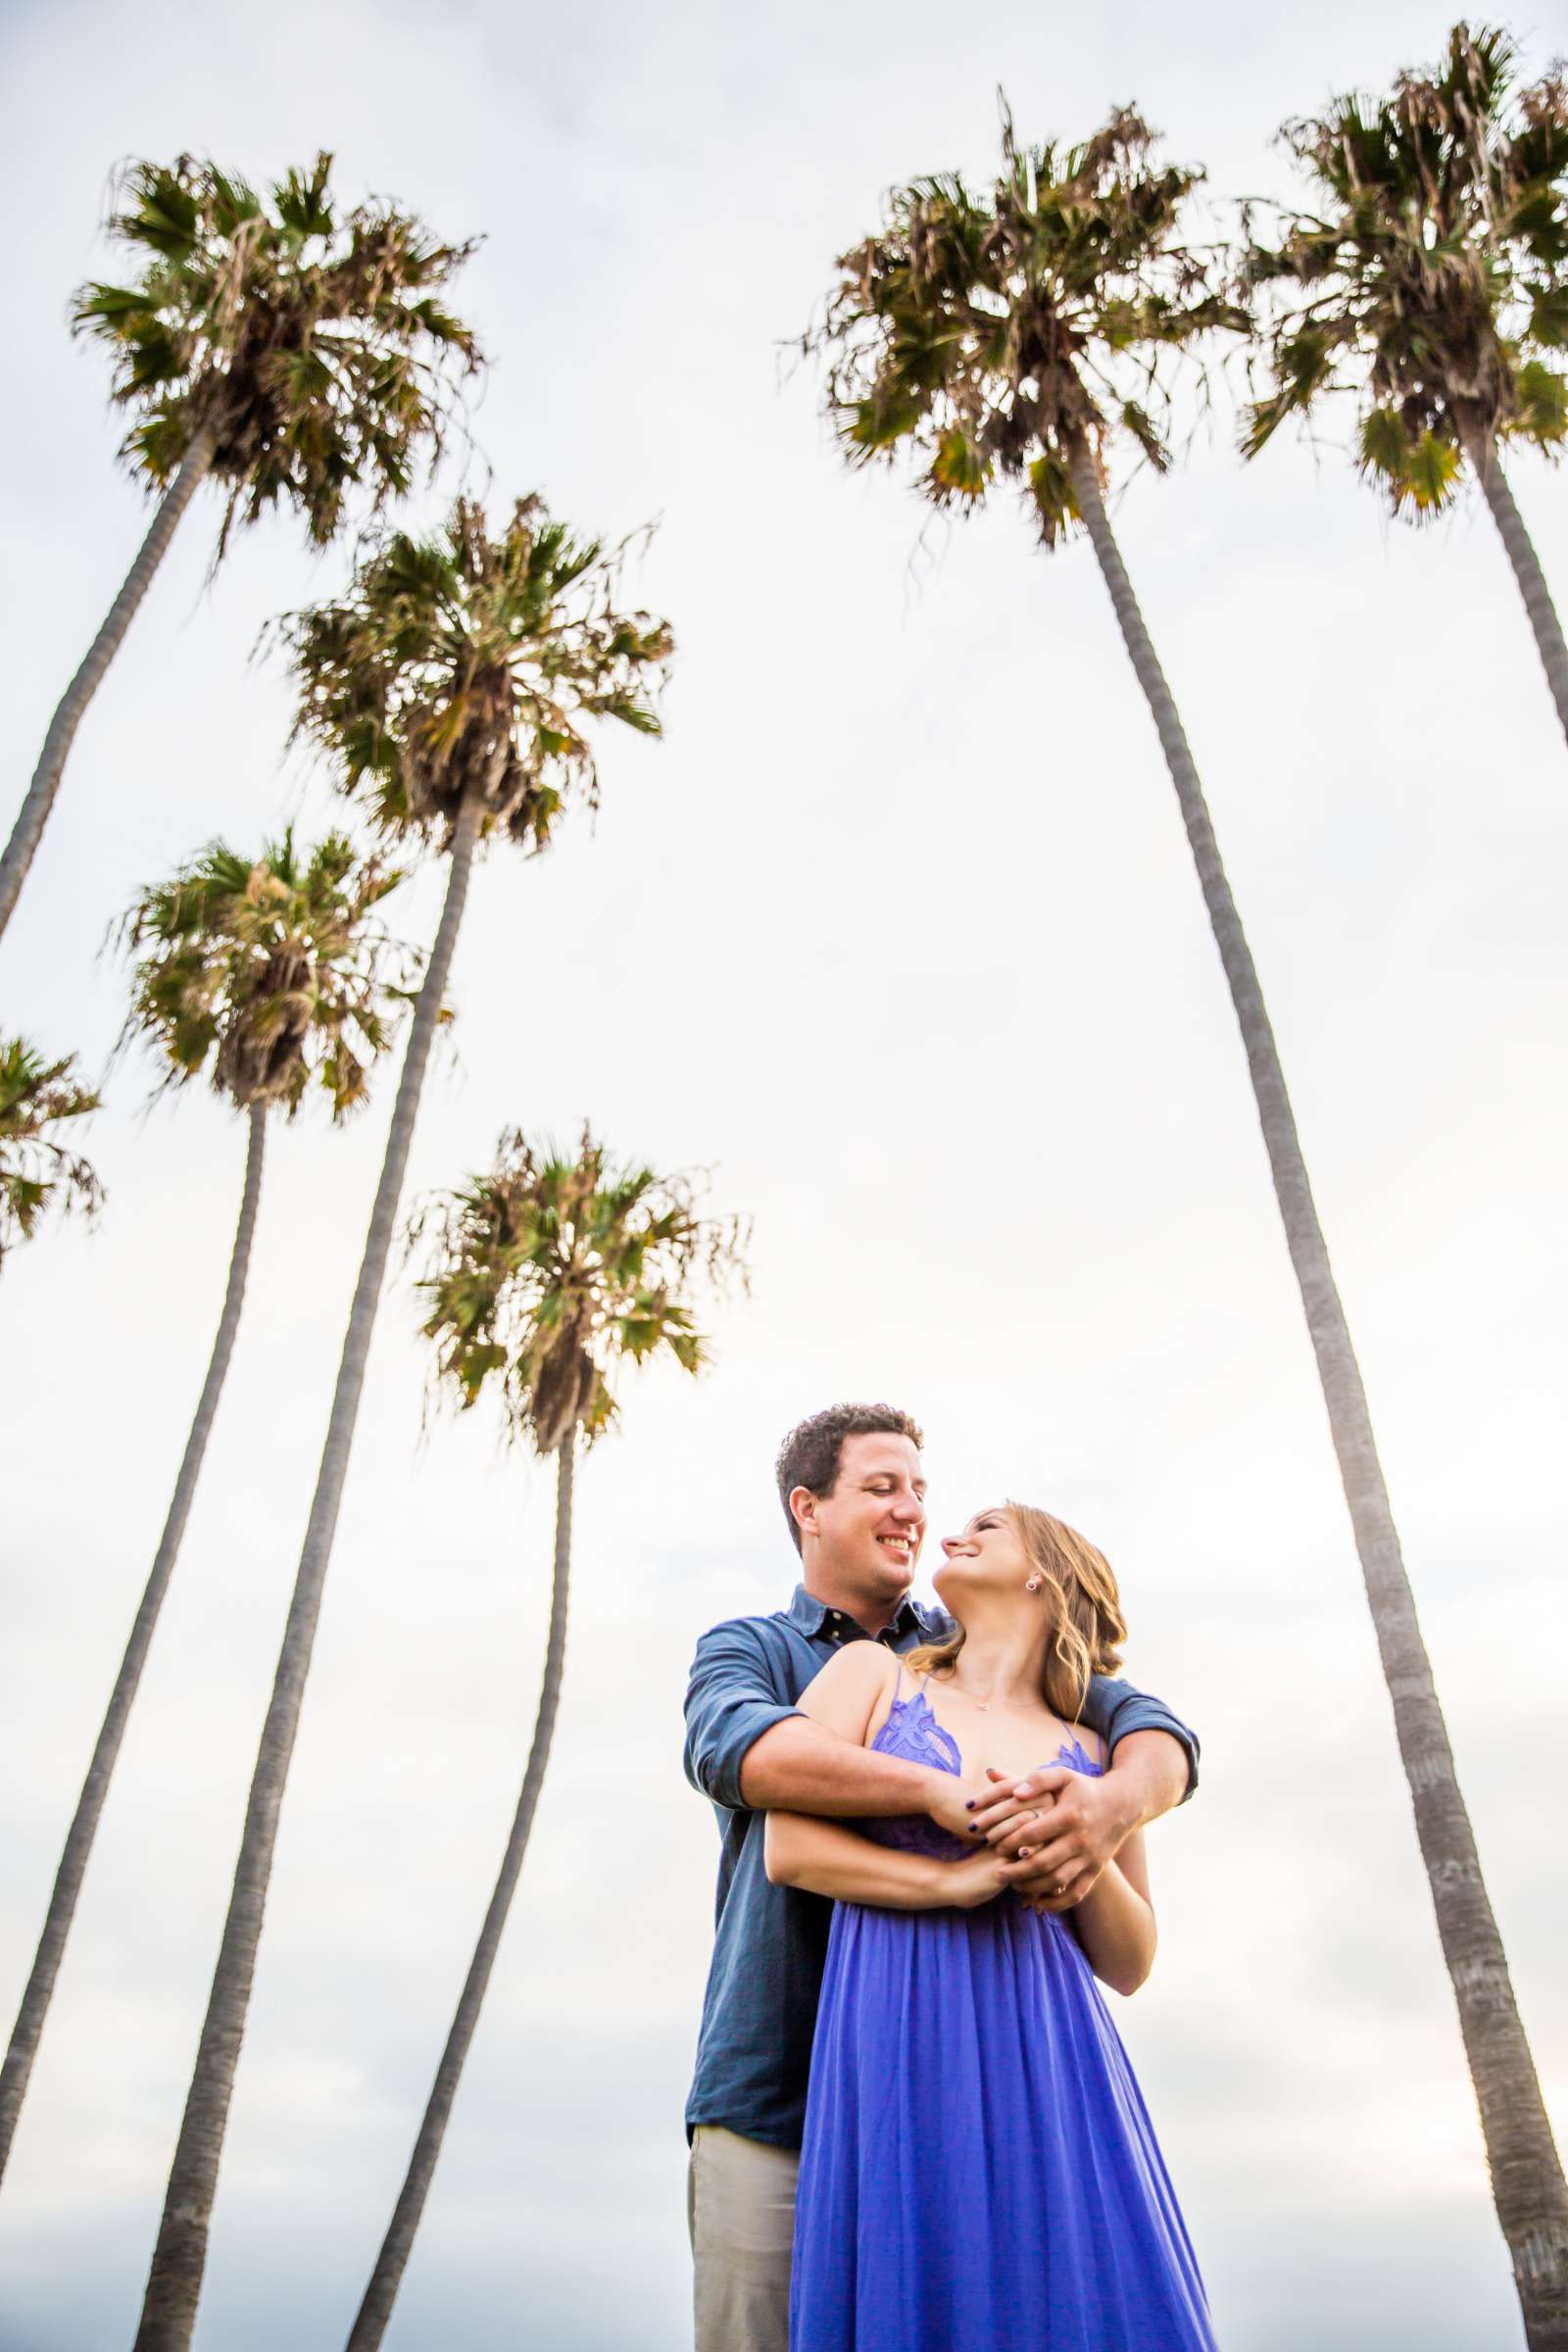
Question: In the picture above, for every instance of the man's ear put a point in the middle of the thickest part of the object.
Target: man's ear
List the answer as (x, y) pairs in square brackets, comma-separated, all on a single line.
[(802, 1509)]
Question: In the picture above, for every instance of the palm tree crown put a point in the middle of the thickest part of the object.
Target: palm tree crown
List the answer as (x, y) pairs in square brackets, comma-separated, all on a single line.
[(37, 1172), (464, 665), (551, 1269), (273, 976), (1000, 334), (1432, 280), (310, 343)]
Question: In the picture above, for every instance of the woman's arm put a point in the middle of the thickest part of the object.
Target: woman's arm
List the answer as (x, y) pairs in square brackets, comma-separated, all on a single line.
[(1115, 1920), (824, 1858)]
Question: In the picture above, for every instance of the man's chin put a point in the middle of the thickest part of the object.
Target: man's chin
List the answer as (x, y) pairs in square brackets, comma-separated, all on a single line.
[(895, 1575)]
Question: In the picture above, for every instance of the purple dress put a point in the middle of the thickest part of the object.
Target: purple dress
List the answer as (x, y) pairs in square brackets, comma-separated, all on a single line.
[(979, 2172)]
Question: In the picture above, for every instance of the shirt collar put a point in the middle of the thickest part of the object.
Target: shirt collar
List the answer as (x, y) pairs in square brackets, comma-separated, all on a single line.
[(810, 1615)]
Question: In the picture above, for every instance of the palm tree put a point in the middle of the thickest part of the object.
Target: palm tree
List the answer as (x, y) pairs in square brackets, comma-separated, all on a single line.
[(450, 694), (997, 337), (38, 1172), (291, 352), (1431, 286), (273, 978), (548, 1274)]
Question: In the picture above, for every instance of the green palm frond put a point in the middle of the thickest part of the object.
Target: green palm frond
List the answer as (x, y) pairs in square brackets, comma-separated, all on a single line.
[(272, 975), (37, 1172), (992, 333), (1385, 447), (1417, 470), (1431, 473), (473, 661), (552, 1270), (1542, 414), (313, 343), (1431, 275)]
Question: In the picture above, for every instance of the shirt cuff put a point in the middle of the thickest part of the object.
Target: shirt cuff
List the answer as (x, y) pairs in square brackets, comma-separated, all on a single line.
[(1147, 1715), (744, 1726)]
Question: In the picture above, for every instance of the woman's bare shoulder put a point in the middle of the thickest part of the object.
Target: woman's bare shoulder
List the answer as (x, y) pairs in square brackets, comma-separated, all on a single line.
[(859, 1666)]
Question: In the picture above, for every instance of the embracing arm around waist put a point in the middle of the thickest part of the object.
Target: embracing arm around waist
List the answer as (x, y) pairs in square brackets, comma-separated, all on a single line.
[(825, 1858)]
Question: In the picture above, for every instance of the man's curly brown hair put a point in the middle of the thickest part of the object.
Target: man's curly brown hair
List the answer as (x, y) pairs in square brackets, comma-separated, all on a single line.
[(809, 1454)]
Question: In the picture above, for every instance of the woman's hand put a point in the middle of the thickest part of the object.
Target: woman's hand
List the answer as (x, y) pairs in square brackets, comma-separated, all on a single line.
[(969, 1884), (958, 1806)]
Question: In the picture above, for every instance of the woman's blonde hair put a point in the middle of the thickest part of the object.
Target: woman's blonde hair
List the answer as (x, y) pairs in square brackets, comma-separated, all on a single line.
[(1087, 1626)]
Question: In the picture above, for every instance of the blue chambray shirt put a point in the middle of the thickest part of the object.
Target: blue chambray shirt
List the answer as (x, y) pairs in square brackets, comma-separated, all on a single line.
[(754, 2047)]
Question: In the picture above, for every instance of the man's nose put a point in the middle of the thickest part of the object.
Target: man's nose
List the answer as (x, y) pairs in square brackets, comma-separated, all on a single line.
[(909, 1507)]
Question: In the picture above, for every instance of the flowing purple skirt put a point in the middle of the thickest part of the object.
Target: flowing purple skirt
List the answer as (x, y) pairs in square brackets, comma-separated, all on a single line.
[(979, 2172)]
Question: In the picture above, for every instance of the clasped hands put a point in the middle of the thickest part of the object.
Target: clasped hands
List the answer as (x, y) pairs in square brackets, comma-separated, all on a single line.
[(1050, 1834)]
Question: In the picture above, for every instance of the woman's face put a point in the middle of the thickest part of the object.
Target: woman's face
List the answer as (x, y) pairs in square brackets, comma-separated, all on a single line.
[(988, 1557)]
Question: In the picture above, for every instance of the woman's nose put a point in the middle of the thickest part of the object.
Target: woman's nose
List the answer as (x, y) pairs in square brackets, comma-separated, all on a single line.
[(949, 1544)]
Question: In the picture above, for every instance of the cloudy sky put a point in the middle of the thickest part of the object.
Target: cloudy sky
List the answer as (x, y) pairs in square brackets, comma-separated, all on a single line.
[(895, 931)]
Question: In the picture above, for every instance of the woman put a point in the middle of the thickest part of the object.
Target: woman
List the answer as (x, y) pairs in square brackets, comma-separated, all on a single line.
[(979, 2173)]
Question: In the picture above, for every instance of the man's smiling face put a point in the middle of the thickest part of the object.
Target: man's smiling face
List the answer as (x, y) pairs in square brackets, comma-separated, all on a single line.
[(864, 1537)]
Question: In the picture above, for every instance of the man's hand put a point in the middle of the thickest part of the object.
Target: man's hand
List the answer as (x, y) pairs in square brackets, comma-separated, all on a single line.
[(1055, 1831)]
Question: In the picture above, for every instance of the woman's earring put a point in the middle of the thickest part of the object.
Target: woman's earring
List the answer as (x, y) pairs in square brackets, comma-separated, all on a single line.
[(1034, 1583)]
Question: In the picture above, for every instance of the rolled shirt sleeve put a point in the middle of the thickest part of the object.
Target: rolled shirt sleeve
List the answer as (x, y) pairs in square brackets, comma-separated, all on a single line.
[(733, 1696), (1115, 1708)]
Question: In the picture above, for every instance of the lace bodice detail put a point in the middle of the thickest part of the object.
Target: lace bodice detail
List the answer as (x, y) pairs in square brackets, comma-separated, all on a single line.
[(912, 1731)]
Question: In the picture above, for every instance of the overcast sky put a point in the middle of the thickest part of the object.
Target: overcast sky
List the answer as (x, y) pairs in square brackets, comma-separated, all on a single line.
[(898, 932)]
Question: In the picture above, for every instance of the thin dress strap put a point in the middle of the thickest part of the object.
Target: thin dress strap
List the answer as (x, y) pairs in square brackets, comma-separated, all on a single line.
[(898, 1686)]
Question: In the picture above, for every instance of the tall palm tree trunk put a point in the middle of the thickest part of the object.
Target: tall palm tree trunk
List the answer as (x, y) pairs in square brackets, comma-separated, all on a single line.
[(376, 2308), (17, 2070), (33, 816), (1527, 2176), (1486, 460), (179, 2256)]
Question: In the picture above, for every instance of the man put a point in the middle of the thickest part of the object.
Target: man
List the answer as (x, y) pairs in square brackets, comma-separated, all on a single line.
[(853, 1494)]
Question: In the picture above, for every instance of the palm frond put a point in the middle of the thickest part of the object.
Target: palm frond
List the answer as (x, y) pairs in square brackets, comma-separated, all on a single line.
[(313, 346), (550, 1271), (986, 336), (274, 977), (467, 662), (1430, 276), (38, 1172), (1542, 393)]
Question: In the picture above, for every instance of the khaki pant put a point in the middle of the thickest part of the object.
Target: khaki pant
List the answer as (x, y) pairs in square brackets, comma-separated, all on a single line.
[(740, 2205)]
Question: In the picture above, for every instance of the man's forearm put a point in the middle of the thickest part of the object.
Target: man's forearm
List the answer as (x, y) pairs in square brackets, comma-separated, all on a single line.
[(1149, 1775), (801, 1766)]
